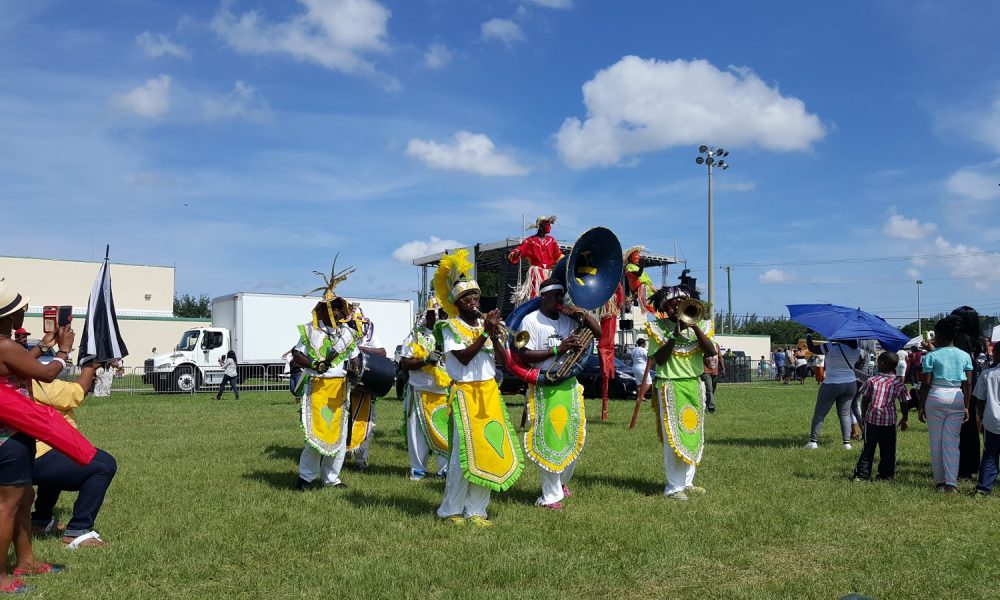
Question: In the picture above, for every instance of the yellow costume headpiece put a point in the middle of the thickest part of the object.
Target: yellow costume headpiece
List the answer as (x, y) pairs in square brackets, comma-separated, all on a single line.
[(452, 280), (329, 297)]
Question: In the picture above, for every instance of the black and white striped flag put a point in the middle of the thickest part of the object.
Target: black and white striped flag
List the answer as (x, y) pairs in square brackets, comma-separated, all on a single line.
[(102, 341)]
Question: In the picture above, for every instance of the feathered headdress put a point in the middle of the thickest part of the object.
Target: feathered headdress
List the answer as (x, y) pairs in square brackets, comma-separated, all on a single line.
[(329, 297), (452, 280), (538, 222)]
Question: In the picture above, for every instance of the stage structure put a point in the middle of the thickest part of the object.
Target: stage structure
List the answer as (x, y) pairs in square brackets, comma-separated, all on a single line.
[(498, 278)]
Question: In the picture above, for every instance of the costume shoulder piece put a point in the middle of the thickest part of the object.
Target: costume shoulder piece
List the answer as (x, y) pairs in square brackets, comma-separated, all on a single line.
[(462, 332)]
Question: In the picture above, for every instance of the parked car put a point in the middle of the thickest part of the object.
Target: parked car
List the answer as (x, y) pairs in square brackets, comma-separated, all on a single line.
[(622, 386)]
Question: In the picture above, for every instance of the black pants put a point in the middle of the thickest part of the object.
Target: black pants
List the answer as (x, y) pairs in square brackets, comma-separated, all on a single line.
[(232, 382), (883, 436), (54, 472)]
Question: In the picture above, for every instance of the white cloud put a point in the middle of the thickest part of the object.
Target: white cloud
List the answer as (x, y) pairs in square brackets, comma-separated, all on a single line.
[(974, 185), (331, 33), (913, 273), (969, 262), (242, 103), (156, 45), (981, 124), (437, 56), (150, 100), (467, 151), (775, 276), (503, 30), (553, 3), (901, 228), (639, 105), (417, 248)]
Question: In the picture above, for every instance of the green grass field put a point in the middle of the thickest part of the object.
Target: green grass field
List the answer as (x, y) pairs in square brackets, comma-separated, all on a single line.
[(203, 507)]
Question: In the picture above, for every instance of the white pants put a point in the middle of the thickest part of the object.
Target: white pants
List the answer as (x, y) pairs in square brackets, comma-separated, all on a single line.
[(313, 464), (680, 475), (360, 454), (416, 442), (461, 497), (552, 484)]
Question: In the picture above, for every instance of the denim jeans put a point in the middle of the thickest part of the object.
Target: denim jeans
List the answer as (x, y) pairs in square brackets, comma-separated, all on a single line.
[(988, 467), (54, 473), (232, 382)]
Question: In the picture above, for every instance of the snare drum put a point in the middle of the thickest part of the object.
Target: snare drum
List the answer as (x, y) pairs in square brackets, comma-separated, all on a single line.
[(377, 374)]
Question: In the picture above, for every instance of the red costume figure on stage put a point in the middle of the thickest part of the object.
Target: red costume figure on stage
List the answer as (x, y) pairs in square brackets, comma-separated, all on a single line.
[(542, 253), (639, 284)]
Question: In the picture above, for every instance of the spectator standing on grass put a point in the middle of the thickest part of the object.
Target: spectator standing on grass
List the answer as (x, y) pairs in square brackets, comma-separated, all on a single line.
[(902, 363), (640, 356), (801, 365), (838, 388), (945, 393), (819, 367), (104, 378), (987, 394), (969, 339), (878, 399), (229, 375), (54, 472), (779, 365), (715, 366), (789, 363)]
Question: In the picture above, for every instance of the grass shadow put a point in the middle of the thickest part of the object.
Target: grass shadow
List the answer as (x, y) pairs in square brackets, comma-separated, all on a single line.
[(279, 480), (782, 441), (378, 469), (408, 505), (644, 487), (276, 452)]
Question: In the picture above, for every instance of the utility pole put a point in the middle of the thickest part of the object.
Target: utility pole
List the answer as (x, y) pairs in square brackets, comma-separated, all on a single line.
[(729, 287)]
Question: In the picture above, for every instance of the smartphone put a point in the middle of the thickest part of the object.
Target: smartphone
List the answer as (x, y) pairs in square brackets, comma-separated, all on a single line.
[(65, 315), (50, 316)]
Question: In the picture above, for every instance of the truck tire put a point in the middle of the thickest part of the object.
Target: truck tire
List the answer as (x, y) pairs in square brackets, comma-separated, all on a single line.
[(186, 379)]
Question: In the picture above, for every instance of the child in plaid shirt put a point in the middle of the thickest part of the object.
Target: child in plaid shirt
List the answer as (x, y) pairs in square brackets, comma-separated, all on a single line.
[(878, 396)]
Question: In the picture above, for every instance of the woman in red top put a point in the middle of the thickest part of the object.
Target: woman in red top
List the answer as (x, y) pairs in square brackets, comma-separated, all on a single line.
[(542, 253)]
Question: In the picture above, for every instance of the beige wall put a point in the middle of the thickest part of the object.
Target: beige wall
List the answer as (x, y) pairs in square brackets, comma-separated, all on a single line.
[(140, 335), (69, 282)]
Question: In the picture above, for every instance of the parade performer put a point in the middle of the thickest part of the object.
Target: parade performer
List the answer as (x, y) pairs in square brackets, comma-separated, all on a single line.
[(484, 453), (362, 418), (640, 286), (542, 253), (326, 347), (425, 402), (558, 424), (678, 352)]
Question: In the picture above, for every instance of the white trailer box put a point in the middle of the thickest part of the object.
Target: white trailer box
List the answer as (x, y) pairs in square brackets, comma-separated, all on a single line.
[(260, 328)]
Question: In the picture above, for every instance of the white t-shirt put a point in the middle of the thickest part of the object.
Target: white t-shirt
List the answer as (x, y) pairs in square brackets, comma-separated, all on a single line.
[(988, 390), (546, 334), (640, 356), (342, 337), (420, 379), (838, 371), (820, 361), (901, 365), (480, 368)]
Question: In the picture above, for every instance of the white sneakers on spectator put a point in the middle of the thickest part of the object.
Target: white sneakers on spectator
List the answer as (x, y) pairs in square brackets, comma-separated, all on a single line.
[(847, 446), (811, 446)]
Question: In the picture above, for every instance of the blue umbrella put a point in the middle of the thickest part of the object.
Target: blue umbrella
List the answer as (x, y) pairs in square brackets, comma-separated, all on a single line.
[(837, 322)]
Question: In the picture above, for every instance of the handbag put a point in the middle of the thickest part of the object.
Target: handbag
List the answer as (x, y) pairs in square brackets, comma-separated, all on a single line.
[(859, 375)]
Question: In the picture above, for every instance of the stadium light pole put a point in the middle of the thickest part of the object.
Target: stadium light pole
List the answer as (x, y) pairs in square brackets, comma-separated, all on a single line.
[(712, 159), (920, 327)]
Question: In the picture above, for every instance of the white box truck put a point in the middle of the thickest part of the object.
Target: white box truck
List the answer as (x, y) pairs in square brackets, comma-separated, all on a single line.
[(260, 328)]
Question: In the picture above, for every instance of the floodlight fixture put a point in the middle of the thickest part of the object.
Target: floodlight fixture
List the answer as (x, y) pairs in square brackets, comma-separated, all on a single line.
[(720, 152), (703, 148), (700, 160)]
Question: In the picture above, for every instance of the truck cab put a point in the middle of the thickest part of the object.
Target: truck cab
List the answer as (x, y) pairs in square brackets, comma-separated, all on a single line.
[(194, 361)]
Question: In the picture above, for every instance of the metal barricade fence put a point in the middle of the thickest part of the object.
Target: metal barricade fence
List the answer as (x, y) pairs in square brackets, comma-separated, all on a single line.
[(141, 380)]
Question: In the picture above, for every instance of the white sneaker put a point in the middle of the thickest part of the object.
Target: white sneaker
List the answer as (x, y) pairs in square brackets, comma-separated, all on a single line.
[(811, 446), (847, 446)]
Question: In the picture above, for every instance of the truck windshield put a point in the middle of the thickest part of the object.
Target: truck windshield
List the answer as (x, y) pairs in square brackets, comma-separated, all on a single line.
[(189, 340)]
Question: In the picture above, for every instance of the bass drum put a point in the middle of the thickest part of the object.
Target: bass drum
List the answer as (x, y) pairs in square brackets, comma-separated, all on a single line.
[(377, 374)]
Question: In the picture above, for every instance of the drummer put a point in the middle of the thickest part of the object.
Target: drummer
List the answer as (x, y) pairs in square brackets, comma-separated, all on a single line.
[(362, 401)]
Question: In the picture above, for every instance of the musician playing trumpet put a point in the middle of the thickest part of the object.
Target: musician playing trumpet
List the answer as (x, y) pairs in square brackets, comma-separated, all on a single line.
[(678, 346), (557, 424)]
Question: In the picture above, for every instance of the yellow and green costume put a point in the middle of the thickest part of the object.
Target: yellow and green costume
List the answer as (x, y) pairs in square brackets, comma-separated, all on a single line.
[(489, 454), (680, 393), (325, 400), (558, 424), (431, 408)]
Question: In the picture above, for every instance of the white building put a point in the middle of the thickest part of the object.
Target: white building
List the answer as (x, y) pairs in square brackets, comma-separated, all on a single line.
[(144, 299)]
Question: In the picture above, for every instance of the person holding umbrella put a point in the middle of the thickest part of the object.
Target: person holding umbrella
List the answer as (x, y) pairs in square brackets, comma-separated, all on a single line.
[(839, 387)]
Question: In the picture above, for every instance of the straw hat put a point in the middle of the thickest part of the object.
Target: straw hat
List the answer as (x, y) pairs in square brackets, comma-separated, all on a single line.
[(10, 301)]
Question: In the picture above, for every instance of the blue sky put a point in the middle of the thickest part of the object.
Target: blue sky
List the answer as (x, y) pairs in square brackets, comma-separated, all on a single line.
[(247, 142)]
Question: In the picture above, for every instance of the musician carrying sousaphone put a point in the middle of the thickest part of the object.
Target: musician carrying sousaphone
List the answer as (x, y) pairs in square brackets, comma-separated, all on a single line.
[(677, 347), (326, 347), (557, 423)]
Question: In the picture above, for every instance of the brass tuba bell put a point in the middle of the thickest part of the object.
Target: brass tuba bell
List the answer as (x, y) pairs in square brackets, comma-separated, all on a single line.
[(690, 311)]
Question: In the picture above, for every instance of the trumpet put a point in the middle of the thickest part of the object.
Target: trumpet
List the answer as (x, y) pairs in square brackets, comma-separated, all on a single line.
[(690, 311), (521, 338)]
